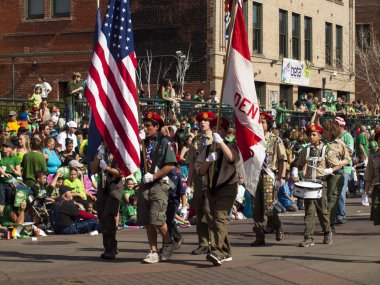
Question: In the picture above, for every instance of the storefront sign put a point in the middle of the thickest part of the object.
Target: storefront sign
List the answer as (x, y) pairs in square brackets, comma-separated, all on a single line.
[(295, 72)]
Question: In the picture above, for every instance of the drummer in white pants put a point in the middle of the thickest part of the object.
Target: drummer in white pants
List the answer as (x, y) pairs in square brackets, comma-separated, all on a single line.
[(312, 163)]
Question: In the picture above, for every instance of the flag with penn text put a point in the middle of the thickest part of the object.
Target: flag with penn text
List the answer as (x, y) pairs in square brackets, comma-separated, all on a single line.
[(240, 93), (111, 87)]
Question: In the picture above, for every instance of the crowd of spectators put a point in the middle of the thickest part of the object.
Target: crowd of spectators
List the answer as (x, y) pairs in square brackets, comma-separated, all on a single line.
[(45, 140)]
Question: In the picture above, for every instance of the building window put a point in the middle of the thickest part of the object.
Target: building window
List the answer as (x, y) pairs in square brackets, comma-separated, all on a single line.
[(308, 39), (339, 46), (328, 44), (61, 8), (363, 36), (296, 27), (283, 22), (257, 28), (35, 9)]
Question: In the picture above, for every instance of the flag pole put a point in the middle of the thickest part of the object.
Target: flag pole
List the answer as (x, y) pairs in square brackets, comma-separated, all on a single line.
[(233, 16)]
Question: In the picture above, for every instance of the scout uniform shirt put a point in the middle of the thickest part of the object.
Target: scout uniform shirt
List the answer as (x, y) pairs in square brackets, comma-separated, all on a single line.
[(224, 171), (196, 147), (111, 182), (275, 150), (372, 173), (159, 152), (336, 152), (315, 151)]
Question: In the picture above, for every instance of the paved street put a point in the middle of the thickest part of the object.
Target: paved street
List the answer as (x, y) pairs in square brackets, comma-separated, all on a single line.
[(353, 258)]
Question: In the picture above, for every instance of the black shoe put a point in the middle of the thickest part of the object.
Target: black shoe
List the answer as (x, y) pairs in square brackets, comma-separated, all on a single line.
[(107, 256), (200, 250), (258, 242), (279, 234), (216, 260)]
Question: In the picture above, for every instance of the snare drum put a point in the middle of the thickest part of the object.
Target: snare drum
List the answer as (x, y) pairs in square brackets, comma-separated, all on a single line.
[(308, 190)]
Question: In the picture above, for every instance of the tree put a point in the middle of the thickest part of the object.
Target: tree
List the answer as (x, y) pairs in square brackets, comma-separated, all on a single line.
[(147, 66), (368, 61), (183, 64)]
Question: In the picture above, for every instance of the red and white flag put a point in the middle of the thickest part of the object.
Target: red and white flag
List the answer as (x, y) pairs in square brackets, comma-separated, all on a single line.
[(240, 93), (111, 87)]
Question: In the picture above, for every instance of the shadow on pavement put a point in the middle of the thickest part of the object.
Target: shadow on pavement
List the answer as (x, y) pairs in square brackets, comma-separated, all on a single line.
[(315, 258), (27, 257)]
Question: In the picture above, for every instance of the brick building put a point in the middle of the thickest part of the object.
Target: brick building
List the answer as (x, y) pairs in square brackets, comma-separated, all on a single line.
[(54, 38), (367, 18)]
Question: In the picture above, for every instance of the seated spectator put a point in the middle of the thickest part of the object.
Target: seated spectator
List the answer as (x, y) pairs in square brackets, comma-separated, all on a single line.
[(67, 218), (55, 183), (39, 187), (44, 111), (13, 215), (53, 162), (90, 209), (78, 191), (286, 199), (23, 144), (131, 213), (32, 162), (69, 153), (71, 127), (127, 192), (12, 124), (35, 119), (24, 118)]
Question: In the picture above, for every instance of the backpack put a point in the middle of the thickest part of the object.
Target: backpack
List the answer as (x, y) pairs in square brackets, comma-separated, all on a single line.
[(54, 216)]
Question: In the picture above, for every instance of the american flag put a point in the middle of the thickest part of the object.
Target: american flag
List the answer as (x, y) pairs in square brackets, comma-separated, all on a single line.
[(111, 87)]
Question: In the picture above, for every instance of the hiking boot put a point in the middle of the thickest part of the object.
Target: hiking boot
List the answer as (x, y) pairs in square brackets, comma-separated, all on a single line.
[(178, 244), (151, 258), (167, 250), (327, 239), (279, 234), (214, 259), (258, 242), (200, 250)]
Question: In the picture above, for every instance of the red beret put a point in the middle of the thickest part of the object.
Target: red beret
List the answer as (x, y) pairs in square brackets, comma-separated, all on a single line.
[(314, 128), (151, 116), (205, 116), (377, 135), (266, 117), (223, 122)]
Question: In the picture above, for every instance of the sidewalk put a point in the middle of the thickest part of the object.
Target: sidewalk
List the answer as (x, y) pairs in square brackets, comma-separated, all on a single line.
[(353, 258)]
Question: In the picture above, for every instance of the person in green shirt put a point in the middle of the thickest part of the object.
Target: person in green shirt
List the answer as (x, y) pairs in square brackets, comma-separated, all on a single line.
[(9, 169), (32, 162), (79, 193), (74, 89), (349, 142), (361, 144), (131, 213), (281, 113), (127, 193)]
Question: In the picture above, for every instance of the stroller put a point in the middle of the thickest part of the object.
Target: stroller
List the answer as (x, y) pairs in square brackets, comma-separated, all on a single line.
[(37, 207)]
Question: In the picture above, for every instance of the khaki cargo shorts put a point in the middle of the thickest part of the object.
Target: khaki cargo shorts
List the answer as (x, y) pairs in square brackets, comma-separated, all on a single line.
[(152, 204)]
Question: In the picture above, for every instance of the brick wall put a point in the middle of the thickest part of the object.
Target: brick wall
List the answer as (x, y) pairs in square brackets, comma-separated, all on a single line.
[(367, 12)]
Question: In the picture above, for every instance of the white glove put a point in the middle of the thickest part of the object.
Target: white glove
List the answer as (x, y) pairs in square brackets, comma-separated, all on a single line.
[(148, 178), (102, 164), (101, 151), (212, 157), (217, 138), (328, 171), (142, 135)]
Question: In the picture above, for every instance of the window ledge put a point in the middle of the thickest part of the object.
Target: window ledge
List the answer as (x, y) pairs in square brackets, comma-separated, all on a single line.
[(41, 20)]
